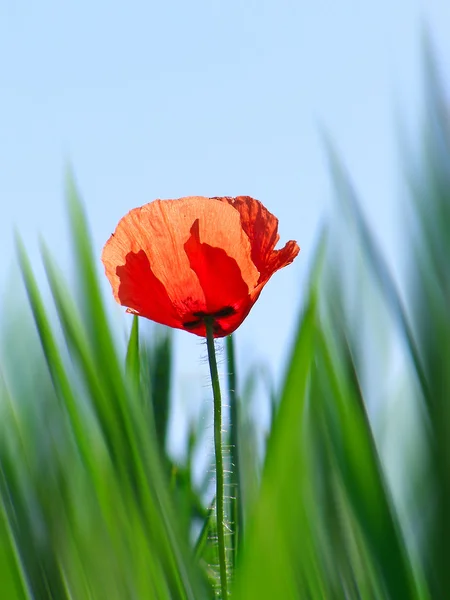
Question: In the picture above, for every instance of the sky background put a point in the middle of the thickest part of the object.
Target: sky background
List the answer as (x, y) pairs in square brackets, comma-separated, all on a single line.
[(153, 100)]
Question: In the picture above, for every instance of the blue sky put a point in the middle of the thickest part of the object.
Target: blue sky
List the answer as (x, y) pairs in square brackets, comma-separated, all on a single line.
[(166, 99)]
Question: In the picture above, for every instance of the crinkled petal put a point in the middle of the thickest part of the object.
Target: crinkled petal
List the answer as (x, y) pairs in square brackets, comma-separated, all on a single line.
[(261, 227)]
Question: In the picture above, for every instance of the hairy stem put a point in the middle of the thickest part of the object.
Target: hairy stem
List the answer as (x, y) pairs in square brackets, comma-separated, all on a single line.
[(218, 451)]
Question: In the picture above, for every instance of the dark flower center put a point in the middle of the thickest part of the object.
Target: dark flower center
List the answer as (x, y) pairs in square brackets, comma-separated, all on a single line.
[(226, 311)]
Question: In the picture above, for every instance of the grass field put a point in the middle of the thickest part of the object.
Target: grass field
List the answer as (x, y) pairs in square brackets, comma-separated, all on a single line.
[(352, 496)]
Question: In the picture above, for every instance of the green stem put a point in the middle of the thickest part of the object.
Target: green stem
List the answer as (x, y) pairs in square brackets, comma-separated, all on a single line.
[(219, 456)]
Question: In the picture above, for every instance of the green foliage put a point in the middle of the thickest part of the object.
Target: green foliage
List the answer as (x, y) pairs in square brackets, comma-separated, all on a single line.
[(93, 506)]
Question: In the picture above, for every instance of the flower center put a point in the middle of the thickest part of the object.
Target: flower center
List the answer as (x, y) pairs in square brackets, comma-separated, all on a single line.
[(226, 311)]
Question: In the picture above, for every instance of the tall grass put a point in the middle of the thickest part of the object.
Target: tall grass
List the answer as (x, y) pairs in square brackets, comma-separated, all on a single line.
[(92, 505)]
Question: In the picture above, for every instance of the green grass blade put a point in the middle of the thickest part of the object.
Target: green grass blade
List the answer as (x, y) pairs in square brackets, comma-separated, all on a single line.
[(347, 197), (359, 467), (52, 355), (281, 520), (132, 362), (429, 281), (206, 530), (13, 584), (160, 359)]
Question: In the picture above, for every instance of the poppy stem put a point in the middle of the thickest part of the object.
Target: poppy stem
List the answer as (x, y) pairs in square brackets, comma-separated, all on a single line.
[(218, 455)]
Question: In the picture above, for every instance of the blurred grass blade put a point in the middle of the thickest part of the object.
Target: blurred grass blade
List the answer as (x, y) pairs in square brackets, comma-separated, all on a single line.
[(12, 575), (133, 367), (90, 300), (429, 291), (52, 355), (21, 490), (159, 366), (357, 459), (281, 520), (78, 344), (13, 585), (347, 196), (208, 526)]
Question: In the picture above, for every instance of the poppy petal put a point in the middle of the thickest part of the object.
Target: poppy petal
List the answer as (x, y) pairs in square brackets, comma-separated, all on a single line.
[(218, 274), (281, 258), (261, 227), (143, 293)]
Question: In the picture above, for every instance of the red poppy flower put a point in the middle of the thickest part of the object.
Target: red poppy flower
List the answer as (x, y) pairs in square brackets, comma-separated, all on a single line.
[(179, 261)]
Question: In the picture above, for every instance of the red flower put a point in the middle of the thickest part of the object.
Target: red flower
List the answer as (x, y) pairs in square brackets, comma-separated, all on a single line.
[(179, 261)]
